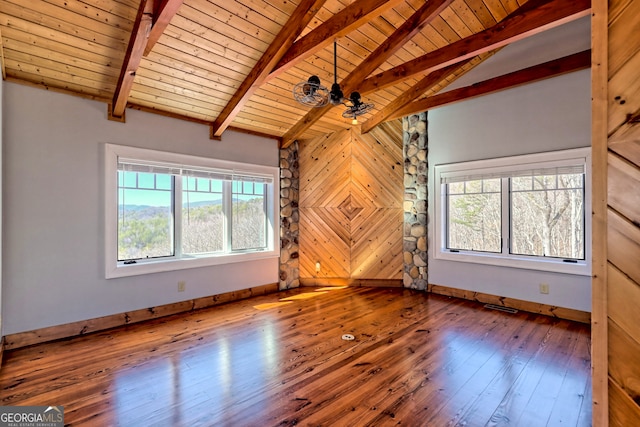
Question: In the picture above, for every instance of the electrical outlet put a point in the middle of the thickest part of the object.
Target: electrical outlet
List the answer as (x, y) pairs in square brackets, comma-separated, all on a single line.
[(544, 288), (182, 285)]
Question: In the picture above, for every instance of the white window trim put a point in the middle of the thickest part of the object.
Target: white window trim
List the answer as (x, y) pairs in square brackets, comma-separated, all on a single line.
[(114, 269), (529, 161)]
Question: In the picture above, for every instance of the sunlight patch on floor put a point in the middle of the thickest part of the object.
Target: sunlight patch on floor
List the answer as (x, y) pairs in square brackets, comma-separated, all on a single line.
[(331, 288), (302, 296), (270, 305), (305, 295)]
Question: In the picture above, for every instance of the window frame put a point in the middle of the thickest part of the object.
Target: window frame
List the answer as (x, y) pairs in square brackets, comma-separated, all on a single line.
[(505, 165), (179, 261)]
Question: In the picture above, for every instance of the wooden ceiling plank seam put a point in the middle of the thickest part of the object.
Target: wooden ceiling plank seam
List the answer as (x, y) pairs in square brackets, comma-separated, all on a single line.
[(215, 59), (17, 25), (141, 90), (181, 80), (133, 56), (412, 26), (557, 67), (86, 81), (25, 80), (340, 24), (415, 92), (285, 38), (445, 30), (39, 54), (22, 41), (511, 5), (451, 18), (275, 11), (68, 23), (70, 70), (268, 24), (86, 11), (521, 24), (497, 9), (92, 9), (130, 3), (482, 12), (163, 13), (199, 66), (56, 85), (250, 47), (467, 17), (220, 20), (142, 104), (172, 95)]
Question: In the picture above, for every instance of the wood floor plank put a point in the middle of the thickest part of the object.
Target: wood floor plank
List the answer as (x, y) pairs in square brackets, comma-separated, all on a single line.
[(279, 359)]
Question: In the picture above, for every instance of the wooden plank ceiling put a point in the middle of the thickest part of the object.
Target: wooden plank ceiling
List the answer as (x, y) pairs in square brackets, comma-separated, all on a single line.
[(233, 64)]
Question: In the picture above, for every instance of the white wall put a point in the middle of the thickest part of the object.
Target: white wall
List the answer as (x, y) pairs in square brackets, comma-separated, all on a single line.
[(550, 115), (546, 116), (53, 210)]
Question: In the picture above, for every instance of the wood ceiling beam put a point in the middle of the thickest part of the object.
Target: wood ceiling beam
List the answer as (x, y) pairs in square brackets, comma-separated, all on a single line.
[(339, 25), (532, 18), (557, 67), (420, 19), (2, 67), (163, 13), (135, 49), (410, 95), (297, 22)]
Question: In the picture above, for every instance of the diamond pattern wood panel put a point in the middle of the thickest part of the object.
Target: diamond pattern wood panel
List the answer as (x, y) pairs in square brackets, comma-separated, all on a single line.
[(351, 218)]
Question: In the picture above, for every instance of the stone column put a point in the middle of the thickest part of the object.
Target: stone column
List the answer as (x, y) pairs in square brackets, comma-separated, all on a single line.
[(289, 218), (415, 149)]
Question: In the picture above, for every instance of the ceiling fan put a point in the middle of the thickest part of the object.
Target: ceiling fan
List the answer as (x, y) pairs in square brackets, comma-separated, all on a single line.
[(311, 93)]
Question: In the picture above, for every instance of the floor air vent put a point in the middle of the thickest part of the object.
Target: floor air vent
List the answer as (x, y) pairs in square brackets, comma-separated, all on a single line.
[(501, 308)]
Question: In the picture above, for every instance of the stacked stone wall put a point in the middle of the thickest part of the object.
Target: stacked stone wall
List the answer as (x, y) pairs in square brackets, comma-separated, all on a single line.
[(289, 218), (416, 172)]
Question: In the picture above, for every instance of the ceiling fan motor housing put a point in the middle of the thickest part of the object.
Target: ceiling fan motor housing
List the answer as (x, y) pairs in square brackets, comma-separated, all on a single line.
[(355, 98), (336, 95)]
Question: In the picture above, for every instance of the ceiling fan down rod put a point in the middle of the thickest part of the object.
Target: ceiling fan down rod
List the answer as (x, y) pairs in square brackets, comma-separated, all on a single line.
[(336, 96)]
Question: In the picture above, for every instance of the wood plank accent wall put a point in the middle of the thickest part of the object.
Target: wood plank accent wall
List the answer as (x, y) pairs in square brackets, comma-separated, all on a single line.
[(351, 216), (619, 47)]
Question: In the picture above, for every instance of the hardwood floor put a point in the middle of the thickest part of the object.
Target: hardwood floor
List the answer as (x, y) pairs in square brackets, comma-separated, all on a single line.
[(277, 360)]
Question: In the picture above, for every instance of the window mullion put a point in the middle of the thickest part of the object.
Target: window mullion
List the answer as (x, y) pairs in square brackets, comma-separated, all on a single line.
[(506, 215), (227, 207), (177, 214)]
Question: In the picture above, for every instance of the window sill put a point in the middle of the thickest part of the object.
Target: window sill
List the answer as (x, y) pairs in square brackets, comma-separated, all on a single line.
[(580, 268), (173, 264)]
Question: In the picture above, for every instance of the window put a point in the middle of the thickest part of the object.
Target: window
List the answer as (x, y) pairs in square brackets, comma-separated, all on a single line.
[(525, 211), (167, 211)]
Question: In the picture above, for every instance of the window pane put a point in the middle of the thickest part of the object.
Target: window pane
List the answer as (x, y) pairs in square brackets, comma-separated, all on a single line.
[(145, 220), (521, 183), (202, 216), (474, 217), (547, 221), (146, 180), (248, 229)]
